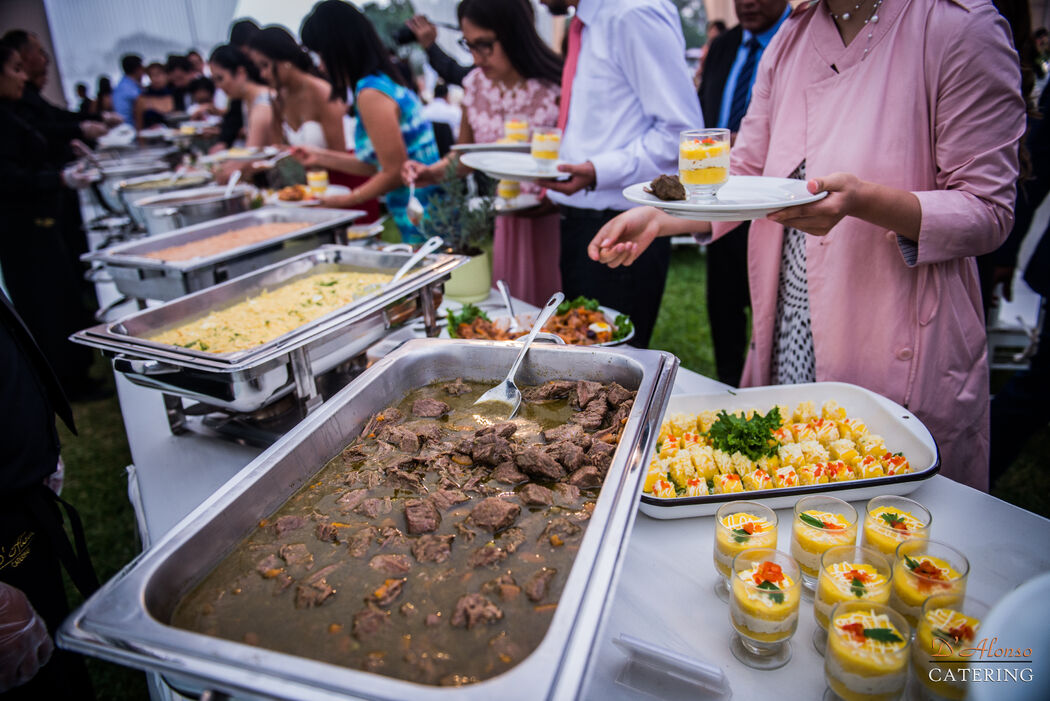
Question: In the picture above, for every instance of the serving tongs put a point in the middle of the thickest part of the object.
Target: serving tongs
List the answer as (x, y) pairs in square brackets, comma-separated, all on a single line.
[(506, 394)]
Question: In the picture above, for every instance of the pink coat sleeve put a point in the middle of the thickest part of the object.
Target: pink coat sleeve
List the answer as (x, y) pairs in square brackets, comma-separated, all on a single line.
[(979, 117)]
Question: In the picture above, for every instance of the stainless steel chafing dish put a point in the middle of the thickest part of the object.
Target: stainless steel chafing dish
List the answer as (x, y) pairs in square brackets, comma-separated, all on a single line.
[(134, 190), (139, 277), (246, 381), (168, 212), (126, 621)]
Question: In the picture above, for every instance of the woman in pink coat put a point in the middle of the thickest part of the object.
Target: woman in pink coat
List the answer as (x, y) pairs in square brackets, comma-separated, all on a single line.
[(909, 113)]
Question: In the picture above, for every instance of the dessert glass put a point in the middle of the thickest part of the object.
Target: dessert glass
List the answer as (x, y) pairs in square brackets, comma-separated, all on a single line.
[(546, 143), (820, 523), (703, 162), (317, 182), (848, 573), (516, 129), (508, 189), (891, 520), (764, 607), (946, 628), (739, 526), (924, 568), (867, 653)]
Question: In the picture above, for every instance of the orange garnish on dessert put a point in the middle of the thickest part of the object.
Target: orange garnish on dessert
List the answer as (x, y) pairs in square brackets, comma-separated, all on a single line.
[(749, 528), (929, 570), (859, 574), (769, 572), (961, 632), (831, 526), (855, 630)]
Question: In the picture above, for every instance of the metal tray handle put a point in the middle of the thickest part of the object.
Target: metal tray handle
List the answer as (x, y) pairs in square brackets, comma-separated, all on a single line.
[(133, 366)]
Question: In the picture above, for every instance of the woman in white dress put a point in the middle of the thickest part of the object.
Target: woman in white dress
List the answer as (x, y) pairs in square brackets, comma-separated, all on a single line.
[(236, 75)]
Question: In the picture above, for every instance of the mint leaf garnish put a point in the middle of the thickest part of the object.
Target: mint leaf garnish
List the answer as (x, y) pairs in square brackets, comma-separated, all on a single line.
[(811, 521), (774, 590), (882, 635)]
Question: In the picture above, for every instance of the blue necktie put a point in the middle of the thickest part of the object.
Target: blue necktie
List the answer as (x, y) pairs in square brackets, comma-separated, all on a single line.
[(742, 89)]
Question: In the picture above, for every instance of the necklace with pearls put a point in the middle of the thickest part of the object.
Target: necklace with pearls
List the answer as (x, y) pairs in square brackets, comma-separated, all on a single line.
[(847, 16)]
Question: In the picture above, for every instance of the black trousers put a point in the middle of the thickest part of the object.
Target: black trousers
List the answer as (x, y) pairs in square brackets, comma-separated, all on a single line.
[(728, 297), (634, 290), (34, 546)]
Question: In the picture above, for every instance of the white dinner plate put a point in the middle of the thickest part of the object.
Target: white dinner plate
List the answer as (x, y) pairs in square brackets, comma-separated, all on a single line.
[(743, 198), (505, 165), (524, 201), (333, 190), (240, 154), (516, 147)]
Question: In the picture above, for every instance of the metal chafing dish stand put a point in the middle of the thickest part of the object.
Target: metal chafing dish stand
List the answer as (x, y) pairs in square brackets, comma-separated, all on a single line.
[(125, 621), (247, 382)]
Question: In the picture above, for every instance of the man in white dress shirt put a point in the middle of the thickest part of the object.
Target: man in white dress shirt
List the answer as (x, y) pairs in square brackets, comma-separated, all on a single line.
[(626, 95)]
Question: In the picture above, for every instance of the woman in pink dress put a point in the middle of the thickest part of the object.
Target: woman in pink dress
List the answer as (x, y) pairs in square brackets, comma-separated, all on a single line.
[(515, 74), (908, 113)]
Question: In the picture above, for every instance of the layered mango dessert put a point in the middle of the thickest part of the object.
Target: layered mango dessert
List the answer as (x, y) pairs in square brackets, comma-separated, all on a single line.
[(516, 130), (703, 162), (850, 580), (764, 604), (892, 520), (508, 189), (740, 527), (546, 144), (867, 653), (829, 523), (924, 569), (944, 631)]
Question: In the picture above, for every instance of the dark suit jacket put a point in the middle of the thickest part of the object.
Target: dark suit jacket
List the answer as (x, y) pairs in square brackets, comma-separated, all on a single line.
[(717, 65)]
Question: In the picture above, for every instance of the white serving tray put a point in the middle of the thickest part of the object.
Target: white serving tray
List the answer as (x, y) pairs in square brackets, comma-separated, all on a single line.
[(903, 432)]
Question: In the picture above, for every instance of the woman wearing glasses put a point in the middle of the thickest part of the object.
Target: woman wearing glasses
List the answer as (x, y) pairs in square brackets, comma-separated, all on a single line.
[(390, 128), (515, 74)]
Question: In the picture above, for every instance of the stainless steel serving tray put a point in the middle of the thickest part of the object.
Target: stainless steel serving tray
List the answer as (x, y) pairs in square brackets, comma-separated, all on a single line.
[(140, 277), (126, 621), (245, 381)]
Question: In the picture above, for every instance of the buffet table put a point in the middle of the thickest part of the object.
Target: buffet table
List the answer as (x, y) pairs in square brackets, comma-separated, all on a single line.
[(665, 594)]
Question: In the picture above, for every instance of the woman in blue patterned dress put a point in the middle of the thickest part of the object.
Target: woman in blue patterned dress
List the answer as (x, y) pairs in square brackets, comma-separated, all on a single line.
[(390, 127)]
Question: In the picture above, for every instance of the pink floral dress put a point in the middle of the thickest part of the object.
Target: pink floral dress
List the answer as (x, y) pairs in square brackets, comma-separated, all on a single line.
[(526, 249)]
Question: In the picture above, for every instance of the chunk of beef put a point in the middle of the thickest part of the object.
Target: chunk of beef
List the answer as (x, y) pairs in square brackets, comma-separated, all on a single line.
[(426, 430), (270, 566), (350, 500), (421, 516), (504, 587), (561, 527), (392, 565), (539, 582), (503, 429), (494, 514), (511, 539), (472, 609), (433, 548), (390, 415), (457, 387), (444, 498), (535, 495), (327, 533), (373, 507), (465, 531), (487, 554), (297, 555), (617, 395), (508, 473), (491, 449), (600, 455), (586, 476), (619, 417), (390, 537), (369, 620), (476, 478), (568, 454), (586, 391), (537, 464), (400, 437), (566, 494), (557, 389), (592, 415), (282, 582), (399, 479), (568, 432), (288, 523), (430, 408), (387, 592), (315, 590), (360, 541), (370, 479)]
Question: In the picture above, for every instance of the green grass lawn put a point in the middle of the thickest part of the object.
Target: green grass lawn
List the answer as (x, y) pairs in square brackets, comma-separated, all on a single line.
[(96, 482)]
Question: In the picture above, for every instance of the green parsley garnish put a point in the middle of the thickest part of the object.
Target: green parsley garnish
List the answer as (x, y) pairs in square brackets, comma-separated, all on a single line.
[(857, 587), (623, 326), (811, 521), (777, 597), (938, 633), (581, 301), (741, 536), (912, 564), (751, 437), (328, 284), (882, 635), (466, 315)]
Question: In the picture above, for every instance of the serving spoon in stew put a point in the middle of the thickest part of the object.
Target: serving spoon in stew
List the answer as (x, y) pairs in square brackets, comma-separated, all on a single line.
[(506, 394)]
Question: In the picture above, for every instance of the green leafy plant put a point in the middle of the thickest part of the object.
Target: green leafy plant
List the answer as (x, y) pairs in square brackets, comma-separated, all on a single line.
[(752, 437), (462, 220), (466, 315)]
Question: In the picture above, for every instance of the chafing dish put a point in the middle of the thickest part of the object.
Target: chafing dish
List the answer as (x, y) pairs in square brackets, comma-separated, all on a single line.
[(126, 621), (134, 190), (164, 213), (115, 172), (246, 381), (149, 278)]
